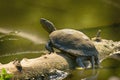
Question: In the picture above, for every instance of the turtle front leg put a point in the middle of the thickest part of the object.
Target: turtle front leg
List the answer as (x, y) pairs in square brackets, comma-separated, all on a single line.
[(92, 61), (49, 47), (80, 62)]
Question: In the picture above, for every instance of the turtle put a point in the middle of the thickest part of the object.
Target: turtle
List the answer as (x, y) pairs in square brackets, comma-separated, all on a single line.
[(71, 41)]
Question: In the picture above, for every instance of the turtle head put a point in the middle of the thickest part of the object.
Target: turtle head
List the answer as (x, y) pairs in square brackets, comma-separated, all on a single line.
[(47, 25)]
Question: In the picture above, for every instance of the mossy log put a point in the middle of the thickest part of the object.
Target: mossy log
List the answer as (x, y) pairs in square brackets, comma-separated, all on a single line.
[(29, 68)]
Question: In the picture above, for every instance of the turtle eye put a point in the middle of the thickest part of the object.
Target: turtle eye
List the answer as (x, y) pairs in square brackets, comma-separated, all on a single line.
[(42, 20)]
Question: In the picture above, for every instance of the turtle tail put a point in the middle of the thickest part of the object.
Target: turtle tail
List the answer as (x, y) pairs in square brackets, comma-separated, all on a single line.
[(47, 25)]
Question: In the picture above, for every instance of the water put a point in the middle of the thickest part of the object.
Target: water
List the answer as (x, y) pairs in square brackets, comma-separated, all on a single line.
[(110, 71), (20, 55), (101, 74), (22, 17), (107, 32), (14, 46)]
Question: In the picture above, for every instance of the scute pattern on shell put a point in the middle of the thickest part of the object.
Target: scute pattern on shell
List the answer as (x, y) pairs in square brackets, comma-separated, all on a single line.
[(72, 41)]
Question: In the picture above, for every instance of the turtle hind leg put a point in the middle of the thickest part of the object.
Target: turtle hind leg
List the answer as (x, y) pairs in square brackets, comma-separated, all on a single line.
[(48, 46), (97, 63), (79, 61)]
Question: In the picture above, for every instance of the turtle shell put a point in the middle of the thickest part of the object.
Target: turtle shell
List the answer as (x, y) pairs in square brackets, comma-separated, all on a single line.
[(73, 42)]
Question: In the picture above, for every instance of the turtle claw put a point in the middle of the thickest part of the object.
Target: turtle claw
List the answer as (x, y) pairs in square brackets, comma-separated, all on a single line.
[(51, 52), (49, 47), (80, 68), (17, 64), (98, 66)]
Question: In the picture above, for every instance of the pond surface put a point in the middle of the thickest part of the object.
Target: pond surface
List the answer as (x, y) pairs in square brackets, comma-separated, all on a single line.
[(110, 71), (86, 15), (13, 46)]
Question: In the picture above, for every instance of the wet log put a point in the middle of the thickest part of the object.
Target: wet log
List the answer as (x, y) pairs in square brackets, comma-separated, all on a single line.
[(30, 68)]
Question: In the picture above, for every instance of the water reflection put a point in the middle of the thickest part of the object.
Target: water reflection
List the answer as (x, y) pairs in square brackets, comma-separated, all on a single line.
[(88, 74), (97, 74), (20, 55), (110, 70), (28, 36)]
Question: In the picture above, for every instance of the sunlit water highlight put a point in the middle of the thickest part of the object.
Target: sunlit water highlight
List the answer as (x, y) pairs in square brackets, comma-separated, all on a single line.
[(31, 37)]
